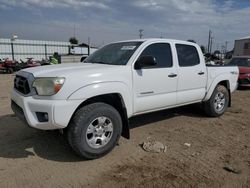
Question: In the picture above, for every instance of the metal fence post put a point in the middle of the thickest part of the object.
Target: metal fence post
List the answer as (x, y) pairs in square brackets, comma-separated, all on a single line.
[(45, 48), (12, 51)]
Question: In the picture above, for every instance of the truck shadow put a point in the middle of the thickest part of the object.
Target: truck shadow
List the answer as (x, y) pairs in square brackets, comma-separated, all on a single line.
[(194, 110), (19, 141)]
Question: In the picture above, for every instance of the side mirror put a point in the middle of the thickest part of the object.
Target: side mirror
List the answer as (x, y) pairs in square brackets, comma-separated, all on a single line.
[(145, 61)]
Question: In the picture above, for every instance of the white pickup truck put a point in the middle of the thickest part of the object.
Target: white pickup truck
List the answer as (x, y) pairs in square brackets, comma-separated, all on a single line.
[(93, 101)]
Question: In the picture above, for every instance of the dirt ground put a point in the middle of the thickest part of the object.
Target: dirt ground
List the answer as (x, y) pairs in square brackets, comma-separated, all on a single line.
[(33, 158)]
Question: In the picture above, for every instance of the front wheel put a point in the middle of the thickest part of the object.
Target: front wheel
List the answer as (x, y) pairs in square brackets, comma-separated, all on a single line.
[(94, 130), (218, 102)]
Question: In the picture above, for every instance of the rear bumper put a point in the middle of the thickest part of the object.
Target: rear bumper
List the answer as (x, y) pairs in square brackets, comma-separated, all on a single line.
[(59, 112)]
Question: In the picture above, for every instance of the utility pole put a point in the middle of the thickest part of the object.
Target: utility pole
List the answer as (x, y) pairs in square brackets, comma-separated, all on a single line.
[(14, 37), (218, 46), (226, 47), (74, 30), (222, 50), (88, 45), (140, 33), (209, 41), (211, 44)]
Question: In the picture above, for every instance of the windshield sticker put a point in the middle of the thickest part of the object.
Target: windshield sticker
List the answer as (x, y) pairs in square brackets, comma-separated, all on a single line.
[(128, 47)]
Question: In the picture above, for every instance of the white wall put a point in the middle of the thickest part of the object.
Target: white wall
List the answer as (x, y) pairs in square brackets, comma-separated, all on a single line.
[(239, 47)]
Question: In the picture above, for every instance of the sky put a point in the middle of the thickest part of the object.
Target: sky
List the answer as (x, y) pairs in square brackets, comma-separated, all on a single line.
[(104, 21)]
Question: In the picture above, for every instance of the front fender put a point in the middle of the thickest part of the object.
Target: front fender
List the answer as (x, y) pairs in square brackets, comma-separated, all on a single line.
[(102, 88)]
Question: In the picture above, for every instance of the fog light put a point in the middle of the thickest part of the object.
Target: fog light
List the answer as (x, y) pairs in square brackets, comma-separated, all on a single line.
[(42, 116)]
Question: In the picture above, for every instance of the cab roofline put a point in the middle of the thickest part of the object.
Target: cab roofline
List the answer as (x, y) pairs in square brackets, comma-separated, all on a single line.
[(157, 40)]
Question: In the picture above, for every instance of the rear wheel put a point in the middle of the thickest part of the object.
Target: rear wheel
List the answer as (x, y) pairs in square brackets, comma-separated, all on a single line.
[(94, 130), (218, 102)]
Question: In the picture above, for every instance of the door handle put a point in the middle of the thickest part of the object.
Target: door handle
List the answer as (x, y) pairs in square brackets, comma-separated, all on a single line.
[(172, 75), (201, 73), (234, 72)]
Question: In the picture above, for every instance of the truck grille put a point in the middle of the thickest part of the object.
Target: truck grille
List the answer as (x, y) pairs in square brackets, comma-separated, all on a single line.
[(21, 84)]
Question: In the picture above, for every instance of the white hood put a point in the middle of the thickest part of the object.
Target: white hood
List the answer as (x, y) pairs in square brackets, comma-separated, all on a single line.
[(67, 68), (78, 75)]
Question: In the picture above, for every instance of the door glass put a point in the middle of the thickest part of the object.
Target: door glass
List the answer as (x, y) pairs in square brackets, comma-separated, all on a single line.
[(162, 54), (187, 55)]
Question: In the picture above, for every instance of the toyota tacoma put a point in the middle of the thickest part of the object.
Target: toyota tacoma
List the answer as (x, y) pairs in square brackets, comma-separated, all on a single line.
[(93, 101)]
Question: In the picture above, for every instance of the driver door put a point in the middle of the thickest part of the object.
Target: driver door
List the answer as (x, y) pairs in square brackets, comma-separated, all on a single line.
[(155, 87)]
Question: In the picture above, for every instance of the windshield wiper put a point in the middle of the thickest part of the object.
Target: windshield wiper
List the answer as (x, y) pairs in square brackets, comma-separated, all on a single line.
[(98, 62)]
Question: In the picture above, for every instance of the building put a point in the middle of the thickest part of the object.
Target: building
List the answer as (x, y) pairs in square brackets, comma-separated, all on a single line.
[(22, 49), (242, 47)]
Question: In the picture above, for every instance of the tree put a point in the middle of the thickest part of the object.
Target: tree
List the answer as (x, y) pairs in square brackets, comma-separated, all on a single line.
[(203, 49), (73, 40), (191, 40), (216, 52)]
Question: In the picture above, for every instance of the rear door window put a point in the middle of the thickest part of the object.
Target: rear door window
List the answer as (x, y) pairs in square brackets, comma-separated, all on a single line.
[(187, 55)]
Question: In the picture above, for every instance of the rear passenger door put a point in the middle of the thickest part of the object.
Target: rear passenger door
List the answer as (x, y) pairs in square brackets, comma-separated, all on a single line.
[(155, 87), (191, 75)]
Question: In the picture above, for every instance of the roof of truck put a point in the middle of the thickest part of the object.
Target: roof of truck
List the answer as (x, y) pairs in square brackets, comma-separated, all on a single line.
[(158, 40)]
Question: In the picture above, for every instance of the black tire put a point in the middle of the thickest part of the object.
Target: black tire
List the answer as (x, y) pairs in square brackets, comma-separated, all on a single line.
[(212, 109), (10, 70), (83, 118)]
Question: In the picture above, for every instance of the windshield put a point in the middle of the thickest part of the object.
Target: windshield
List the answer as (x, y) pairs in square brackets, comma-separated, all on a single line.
[(114, 54), (243, 62)]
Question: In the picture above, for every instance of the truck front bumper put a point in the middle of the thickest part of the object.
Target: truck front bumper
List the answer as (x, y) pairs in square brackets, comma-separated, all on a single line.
[(43, 114)]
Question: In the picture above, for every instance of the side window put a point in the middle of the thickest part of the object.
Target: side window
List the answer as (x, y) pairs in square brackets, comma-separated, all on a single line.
[(187, 55), (246, 45), (161, 52)]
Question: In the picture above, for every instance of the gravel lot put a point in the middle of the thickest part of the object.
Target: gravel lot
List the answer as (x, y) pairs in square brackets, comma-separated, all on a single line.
[(33, 158)]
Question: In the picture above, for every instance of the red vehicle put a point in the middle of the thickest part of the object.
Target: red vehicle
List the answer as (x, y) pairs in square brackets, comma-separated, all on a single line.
[(9, 66), (29, 63), (32, 63), (244, 67)]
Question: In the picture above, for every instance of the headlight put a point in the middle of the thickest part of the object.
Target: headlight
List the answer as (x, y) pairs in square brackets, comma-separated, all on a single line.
[(48, 86)]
